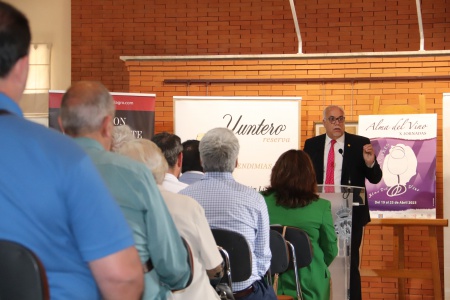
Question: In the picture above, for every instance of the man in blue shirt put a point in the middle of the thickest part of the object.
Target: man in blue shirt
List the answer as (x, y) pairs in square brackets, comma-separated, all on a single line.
[(52, 199), (233, 206), (87, 112)]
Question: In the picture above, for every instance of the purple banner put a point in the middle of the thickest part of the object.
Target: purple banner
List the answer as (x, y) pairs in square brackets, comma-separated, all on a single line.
[(409, 171)]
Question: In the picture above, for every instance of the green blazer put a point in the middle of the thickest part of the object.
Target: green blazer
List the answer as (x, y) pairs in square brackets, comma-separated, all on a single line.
[(317, 221)]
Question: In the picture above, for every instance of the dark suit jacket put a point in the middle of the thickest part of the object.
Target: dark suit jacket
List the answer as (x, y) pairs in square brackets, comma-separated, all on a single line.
[(354, 169)]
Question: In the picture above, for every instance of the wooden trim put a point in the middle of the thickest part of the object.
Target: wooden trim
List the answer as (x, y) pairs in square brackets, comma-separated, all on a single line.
[(398, 270)]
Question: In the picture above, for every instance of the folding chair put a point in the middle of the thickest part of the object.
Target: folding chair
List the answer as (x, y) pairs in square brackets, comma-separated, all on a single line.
[(300, 251), (280, 257), (237, 256)]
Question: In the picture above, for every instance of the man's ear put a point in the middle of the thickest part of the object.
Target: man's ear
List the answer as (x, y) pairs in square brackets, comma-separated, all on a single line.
[(180, 159), (60, 124), (23, 67), (107, 127), (17, 79)]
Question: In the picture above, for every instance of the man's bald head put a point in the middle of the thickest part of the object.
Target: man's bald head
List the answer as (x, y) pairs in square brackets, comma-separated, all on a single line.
[(84, 107)]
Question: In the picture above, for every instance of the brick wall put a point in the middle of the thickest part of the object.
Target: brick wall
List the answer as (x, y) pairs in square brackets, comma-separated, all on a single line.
[(104, 30), (348, 82)]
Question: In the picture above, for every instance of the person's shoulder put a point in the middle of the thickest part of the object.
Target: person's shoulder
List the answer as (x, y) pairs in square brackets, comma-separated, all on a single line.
[(251, 195), (48, 140), (186, 200), (125, 165), (322, 202), (355, 138), (315, 139), (247, 190), (187, 204)]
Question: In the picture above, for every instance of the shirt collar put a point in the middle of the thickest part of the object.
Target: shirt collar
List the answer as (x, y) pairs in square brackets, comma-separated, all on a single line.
[(171, 177), (219, 175), (8, 104), (339, 140), (89, 143)]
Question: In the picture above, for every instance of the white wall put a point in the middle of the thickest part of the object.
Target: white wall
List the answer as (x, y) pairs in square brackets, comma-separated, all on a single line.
[(50, 22)]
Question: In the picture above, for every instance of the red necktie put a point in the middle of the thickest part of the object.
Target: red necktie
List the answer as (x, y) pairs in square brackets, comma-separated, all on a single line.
[(329, 179)]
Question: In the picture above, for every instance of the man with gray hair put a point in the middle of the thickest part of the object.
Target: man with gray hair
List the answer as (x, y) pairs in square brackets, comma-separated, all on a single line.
[(233, 206), (170, 145), (342, 158), (87, 112)]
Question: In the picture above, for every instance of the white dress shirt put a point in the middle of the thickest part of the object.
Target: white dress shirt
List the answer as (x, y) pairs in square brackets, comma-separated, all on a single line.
[(172, 184)]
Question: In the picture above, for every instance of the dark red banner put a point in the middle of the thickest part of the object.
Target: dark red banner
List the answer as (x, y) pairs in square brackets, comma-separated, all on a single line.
[(132, 109)]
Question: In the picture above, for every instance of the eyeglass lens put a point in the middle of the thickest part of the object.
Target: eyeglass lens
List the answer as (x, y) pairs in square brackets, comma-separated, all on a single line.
[(338, 119)]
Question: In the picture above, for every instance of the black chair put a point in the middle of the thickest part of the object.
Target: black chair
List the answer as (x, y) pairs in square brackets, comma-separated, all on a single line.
[(22, 275), (300, 251), (223, 289), (237, 255), (279, 262)]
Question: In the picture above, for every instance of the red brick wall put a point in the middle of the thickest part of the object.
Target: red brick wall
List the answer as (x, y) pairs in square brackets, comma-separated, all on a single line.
[(104, 30), (356, 98)]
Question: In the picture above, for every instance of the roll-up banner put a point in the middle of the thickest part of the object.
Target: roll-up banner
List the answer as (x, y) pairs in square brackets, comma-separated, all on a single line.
[(265, 127), (405, 146), (132, 109)]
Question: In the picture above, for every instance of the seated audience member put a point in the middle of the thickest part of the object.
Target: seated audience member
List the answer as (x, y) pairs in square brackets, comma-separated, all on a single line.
[(233, 206), (292, 200), (191, 170), (170, 145), (87, 111), (121, 134), (52, 199), (189, 217)]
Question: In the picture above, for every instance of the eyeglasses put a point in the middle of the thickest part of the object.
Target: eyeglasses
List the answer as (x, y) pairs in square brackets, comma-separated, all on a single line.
[(334, 120)]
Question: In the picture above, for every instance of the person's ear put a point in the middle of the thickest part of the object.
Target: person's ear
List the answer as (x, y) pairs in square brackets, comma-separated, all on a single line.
[(22, 67), (60, 124), (107, 127), (180, 160), (17, 79)]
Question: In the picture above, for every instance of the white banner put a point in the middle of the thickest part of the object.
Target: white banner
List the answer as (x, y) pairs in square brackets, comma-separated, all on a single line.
[(265, 126), (405, 146)]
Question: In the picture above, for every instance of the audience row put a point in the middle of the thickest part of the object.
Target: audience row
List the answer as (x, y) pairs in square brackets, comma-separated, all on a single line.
[(110, 216)]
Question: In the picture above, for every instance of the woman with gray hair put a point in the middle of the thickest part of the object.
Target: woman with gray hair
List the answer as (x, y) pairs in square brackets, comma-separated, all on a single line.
[(189, 217), (121, 134)]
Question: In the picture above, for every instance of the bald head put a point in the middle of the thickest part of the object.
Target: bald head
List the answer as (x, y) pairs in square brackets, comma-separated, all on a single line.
[(84, 108)]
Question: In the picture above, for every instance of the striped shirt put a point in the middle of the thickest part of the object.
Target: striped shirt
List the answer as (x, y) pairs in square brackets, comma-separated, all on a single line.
[(233, 206)]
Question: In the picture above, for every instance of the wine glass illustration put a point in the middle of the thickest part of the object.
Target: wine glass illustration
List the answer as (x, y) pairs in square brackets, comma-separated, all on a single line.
[(398, 168)]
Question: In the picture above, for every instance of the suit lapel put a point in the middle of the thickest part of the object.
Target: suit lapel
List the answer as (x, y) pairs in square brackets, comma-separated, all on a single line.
[(319, 160), (346, 159)]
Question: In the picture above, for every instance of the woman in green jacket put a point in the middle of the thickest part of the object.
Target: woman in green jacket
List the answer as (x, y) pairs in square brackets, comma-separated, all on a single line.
[(292, 200)]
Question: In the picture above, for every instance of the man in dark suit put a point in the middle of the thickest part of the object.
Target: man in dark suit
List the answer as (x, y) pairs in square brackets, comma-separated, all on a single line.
[(354, 161)]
